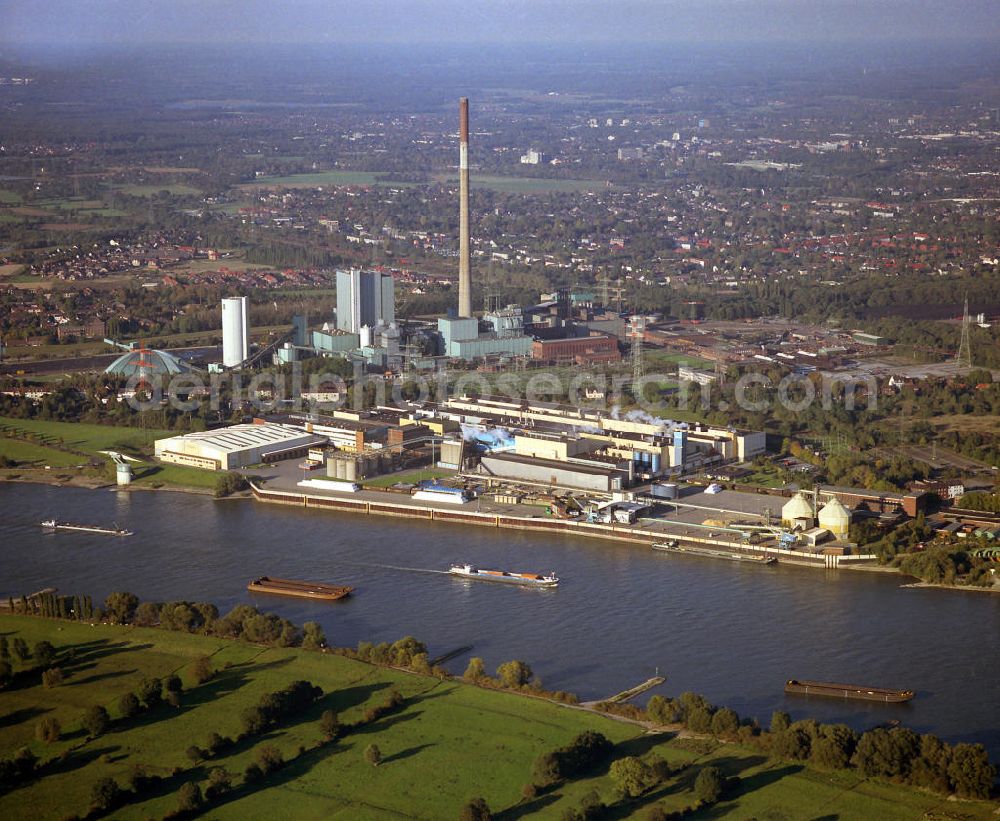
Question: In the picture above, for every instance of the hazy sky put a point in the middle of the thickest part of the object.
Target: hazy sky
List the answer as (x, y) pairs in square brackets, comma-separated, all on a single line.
[(116, 21)]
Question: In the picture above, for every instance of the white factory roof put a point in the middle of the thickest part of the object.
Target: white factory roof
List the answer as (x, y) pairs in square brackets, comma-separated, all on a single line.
[(268, 436)]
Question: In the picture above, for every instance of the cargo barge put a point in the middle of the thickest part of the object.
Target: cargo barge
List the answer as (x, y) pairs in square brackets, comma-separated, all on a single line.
[(825, 688), (674, 546), (301, 589), (52, 524), (470, 571)]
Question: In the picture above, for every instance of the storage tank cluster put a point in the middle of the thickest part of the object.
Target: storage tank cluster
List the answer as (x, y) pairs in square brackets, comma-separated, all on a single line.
[(645, 462), (798, 512), (350, 467)]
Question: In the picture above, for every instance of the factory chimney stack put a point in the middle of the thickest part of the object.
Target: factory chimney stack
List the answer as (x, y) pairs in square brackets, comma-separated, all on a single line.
[(464, 267)]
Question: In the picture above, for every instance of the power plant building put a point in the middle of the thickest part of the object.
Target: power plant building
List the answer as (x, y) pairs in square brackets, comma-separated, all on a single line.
[(462, 340), (364, 298), (235, 331), (330, 341)]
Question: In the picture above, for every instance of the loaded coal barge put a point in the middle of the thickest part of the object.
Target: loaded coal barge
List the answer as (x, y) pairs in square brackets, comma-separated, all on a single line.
[(300, 589), (825, 688)]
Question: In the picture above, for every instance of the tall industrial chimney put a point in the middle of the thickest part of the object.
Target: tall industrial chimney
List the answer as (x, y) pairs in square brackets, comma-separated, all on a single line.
[(464, 267)]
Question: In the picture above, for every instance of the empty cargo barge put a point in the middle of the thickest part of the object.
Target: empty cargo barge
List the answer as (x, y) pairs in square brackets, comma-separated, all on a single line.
[(301, 589), (674, 546), (825, 688)]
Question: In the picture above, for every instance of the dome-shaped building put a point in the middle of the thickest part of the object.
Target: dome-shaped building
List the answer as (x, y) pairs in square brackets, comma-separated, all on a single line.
[(147, 363), (797, 512), (836, 518)]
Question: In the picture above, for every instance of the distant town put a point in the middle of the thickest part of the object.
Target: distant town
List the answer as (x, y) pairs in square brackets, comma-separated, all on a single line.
[(600, 345)]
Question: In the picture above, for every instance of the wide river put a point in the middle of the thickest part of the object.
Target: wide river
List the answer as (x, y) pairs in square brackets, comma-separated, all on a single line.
[(731, 631)]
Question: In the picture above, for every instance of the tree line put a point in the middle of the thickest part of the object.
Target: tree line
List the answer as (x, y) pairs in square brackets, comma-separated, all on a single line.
[(897, 754)]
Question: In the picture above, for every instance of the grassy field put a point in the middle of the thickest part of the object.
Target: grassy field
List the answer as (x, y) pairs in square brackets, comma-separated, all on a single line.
[(323, 178), (515, 185), (966, 423), (70, 203), (92, 347), (177, 189), (37, 455), (765, 477), (659, 359), (8, 197), (526, 185), (450, 742), (411, 476), (88, 438), (92, 439)]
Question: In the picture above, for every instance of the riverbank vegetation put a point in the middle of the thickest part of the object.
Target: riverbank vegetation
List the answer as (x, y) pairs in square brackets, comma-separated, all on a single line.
[(228, 712)]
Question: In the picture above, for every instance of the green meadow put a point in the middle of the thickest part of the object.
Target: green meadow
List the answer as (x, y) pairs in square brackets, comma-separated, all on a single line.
[(45, 440), (447, 743), (324, 178), (527, 185), (513, 185), (177, 189)]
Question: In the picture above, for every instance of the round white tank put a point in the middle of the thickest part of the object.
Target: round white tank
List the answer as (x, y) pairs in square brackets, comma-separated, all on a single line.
[(664, 490), (797, 507), (350, 470), (123, 472), (836, 518)]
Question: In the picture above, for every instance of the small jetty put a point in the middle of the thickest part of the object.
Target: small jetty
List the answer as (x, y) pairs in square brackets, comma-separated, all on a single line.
[(450, 655), (674, 546), (9, 602), (826, 688), (52, 524), (638, 690), (298, 588)]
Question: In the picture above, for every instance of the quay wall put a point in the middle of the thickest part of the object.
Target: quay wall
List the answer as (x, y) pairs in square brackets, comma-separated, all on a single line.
[(619, 533)]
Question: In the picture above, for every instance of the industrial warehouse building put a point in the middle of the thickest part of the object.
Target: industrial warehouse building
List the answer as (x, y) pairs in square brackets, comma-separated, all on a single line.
[(584, 349), (656, 447), (237, 446), (878, 501), (552, 473)]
